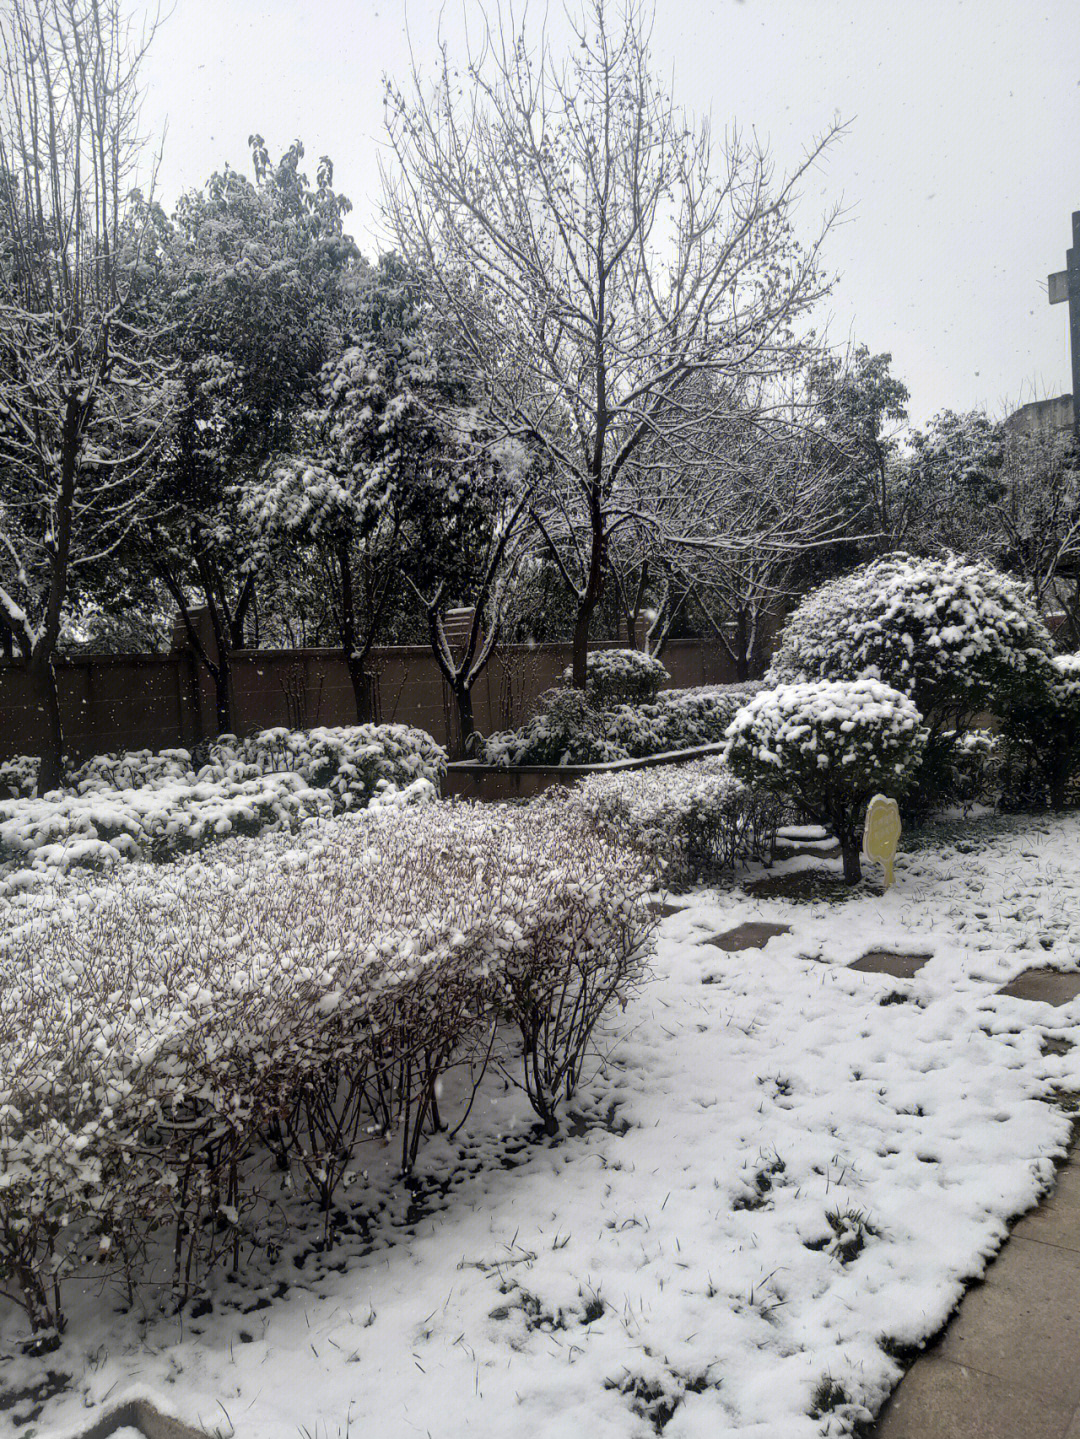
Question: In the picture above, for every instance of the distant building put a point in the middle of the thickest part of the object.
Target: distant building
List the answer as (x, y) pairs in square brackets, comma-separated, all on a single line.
[(1042, 417)]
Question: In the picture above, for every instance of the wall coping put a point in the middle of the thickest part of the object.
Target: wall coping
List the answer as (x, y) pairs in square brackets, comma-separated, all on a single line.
[(575, 771)]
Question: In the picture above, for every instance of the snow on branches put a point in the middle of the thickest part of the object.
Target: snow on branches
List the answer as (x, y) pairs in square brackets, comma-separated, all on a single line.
[(178, 1043), (829, 745)]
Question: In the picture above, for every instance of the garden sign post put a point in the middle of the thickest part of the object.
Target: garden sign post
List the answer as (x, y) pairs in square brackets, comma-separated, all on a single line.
[(882, 833), (1065, 286)]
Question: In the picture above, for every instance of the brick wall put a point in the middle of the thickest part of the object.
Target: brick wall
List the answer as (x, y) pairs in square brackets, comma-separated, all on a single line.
[(120, 702)]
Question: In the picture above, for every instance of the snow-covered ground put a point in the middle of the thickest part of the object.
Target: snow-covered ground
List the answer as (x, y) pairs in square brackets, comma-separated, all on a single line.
[(781, 1178)]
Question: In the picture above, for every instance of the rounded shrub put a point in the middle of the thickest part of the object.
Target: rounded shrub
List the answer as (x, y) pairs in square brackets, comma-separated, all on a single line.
[(618, 677), (954, 635), (829, 746)]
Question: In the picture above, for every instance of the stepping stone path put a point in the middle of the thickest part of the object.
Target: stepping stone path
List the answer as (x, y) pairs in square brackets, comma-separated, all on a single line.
[(753, 935), (662, 909), (886, 961), (1005, 1365), (1049, 986)]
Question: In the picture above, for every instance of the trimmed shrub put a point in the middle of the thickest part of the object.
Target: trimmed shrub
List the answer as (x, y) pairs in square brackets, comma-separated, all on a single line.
[(690, 821), (570, 724), (1041, 732), (142, 805), (178, 1044), (954, 635), (351, 763), (616, 677), (680, 719), (96, 830), (566, 729), (829, 747)]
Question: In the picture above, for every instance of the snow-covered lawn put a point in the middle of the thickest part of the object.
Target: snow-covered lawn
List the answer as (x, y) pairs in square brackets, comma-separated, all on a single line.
[(781, 1178)]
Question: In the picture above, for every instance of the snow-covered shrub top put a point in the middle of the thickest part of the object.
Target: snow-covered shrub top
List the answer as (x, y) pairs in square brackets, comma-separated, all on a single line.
[(846, 736), (350, 762), (679, 719), (566, 729), (144, 1014), (615, 677), (952, 633), (685, 818), (98, 830), (142, 805), (134, 769), (571, 729), (18, 776)]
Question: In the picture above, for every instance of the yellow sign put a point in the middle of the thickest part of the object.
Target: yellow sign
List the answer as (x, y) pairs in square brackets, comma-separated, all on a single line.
[(882, 833)]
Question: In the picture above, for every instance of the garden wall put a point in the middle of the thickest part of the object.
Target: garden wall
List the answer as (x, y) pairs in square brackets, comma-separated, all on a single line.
[(118, 702)]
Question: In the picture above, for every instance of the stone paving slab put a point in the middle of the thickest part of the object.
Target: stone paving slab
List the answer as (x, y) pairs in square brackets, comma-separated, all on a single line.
[(887, 961), (938, 1399), (1006, 1365), (1048, 986), (755, 934), (1011, 1326), (663, 909)]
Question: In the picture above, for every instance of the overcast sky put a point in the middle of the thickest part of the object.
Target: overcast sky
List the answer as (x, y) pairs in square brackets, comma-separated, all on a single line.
[(959, 171)]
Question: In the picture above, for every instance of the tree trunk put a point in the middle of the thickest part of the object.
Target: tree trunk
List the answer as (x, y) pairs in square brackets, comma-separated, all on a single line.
[(466, 725), (591, 597), (47, 704), (742, 647), (850, 846), (362, 686), (221, 673), (354, 659)]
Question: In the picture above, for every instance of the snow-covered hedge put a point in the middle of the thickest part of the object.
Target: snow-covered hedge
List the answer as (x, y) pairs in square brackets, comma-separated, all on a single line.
[(96, 830), (829, 746), (955, 635), (1041, 731), (616, 677), (688, 820), (146, 805), (679, 719), (177, 1042), (351, 763), (952, 634), (570, 729), (566, 729)]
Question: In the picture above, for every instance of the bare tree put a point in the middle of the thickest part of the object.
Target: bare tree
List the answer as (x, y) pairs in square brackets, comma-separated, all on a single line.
[(593, 252), (81, 399)]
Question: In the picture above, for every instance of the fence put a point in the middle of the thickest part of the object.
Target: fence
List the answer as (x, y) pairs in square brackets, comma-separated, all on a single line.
[(117, 702)]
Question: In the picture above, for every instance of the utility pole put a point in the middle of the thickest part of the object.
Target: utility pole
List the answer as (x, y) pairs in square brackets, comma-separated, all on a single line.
[(1065, 286)]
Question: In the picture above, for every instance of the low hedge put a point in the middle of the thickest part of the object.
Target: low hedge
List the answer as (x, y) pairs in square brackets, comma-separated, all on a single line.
[(689, 821), (175, 1041)]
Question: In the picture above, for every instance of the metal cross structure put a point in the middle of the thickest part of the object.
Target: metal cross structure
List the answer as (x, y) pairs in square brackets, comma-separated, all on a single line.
[(1065, 286)]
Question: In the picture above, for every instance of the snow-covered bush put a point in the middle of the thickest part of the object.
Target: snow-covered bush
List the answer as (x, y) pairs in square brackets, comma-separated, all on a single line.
[(352, 762), (177, 1041), (679, 719), (566, 729), (954, 635), (133, 769), (829, 747), (1041, 731), (617, 677), (688, 820), (571, 729), (969, 767), (97, 830), (18, 776), (142, 805)]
